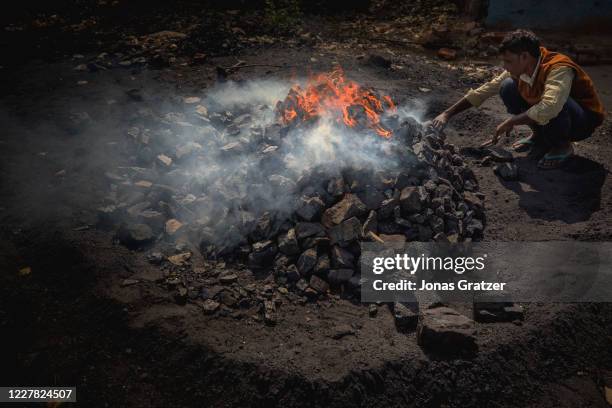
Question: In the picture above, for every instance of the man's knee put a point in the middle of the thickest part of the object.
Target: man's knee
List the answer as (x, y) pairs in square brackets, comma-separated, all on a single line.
[(509, 93), (508, 89)]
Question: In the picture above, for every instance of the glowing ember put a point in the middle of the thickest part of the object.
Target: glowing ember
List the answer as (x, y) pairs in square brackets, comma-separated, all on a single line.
[(333, 96)]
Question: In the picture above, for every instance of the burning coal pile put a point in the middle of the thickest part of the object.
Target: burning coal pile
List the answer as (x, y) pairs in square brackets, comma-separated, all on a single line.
[(288, 179)]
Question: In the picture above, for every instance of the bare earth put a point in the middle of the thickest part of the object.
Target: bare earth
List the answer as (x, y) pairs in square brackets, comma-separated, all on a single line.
[(72, 322)]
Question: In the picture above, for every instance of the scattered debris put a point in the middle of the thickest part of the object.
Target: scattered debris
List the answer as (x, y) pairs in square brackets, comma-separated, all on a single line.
[(507, 171)]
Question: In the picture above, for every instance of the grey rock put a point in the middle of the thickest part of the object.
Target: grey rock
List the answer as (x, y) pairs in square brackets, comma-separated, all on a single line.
[(507, 171), (445, 331)]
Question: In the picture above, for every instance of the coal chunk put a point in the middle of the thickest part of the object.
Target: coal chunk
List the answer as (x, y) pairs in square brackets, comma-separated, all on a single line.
[(307, 261), (349, 206), (310, 209), (345, 233), (288, 244)]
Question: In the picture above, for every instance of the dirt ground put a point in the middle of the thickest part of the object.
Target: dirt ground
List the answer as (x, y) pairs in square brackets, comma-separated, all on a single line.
[(72, 322)]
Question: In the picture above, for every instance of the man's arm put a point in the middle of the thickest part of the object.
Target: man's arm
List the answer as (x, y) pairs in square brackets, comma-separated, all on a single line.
[(556, 91), (474, 97), (442, 119)]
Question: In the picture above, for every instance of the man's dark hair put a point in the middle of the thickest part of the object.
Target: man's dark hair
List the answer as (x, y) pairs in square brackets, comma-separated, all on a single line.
[(521, 40)]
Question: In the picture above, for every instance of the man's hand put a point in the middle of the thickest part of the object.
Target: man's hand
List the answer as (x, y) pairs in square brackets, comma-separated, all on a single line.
[(505, 127), (440, 121)]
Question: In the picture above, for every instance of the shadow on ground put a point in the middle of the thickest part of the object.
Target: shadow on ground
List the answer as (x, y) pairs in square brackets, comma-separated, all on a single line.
[(570, 194)]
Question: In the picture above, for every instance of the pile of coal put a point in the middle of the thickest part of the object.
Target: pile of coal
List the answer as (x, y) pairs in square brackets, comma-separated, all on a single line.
[(254, 206)]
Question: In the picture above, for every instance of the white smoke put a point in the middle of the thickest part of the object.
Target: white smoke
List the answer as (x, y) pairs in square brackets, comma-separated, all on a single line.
[(259, 176)]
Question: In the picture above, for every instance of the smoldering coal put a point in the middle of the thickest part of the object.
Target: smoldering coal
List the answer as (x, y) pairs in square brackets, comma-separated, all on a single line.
[(230, 177), (233, 161)]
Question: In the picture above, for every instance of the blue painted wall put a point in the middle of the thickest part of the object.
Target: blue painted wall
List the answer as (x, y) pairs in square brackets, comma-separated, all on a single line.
[(550, 14)]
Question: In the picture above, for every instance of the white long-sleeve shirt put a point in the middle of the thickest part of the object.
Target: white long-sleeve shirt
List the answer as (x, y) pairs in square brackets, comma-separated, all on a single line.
[(556, 91)]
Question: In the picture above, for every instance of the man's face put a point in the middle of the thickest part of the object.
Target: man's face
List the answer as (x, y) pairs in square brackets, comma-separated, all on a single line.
[(515, 64)]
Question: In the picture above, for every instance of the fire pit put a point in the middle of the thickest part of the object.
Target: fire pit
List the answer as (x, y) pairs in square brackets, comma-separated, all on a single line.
[(288, 182)]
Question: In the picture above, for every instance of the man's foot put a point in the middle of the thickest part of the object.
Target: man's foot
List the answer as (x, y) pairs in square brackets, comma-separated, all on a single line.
[(556, 157), (524, 144)]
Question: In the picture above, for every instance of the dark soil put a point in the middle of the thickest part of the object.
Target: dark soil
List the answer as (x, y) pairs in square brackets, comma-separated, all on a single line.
[(72, 322)]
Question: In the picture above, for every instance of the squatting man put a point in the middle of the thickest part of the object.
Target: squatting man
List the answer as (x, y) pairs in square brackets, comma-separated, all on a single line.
[(542, 89)]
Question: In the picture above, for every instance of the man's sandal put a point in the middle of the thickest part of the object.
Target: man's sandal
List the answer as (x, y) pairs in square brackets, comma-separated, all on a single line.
[(556, 160), (524, 144)]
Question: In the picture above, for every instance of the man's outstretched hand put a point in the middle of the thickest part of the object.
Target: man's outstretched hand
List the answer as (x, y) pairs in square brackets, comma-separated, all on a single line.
[(440, 121), (505, 127)]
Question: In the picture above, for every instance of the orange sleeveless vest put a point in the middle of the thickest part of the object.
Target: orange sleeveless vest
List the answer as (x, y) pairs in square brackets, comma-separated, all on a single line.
[(583, 89)]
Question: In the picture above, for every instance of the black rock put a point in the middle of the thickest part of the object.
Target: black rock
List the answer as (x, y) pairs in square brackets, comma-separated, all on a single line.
[(307, 261), (342, 258), (310, 208), (339, 277), (345, 233), (507, 171), (288, 244), (308, 229)]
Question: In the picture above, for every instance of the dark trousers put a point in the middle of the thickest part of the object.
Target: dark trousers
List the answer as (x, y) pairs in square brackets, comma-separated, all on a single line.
[(573, 123)]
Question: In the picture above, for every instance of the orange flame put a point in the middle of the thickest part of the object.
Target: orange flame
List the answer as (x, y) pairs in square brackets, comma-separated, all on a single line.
[(332, 95)]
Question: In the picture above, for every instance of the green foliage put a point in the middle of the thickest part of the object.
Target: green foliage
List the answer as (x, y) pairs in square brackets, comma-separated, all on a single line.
[(282, 15)]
